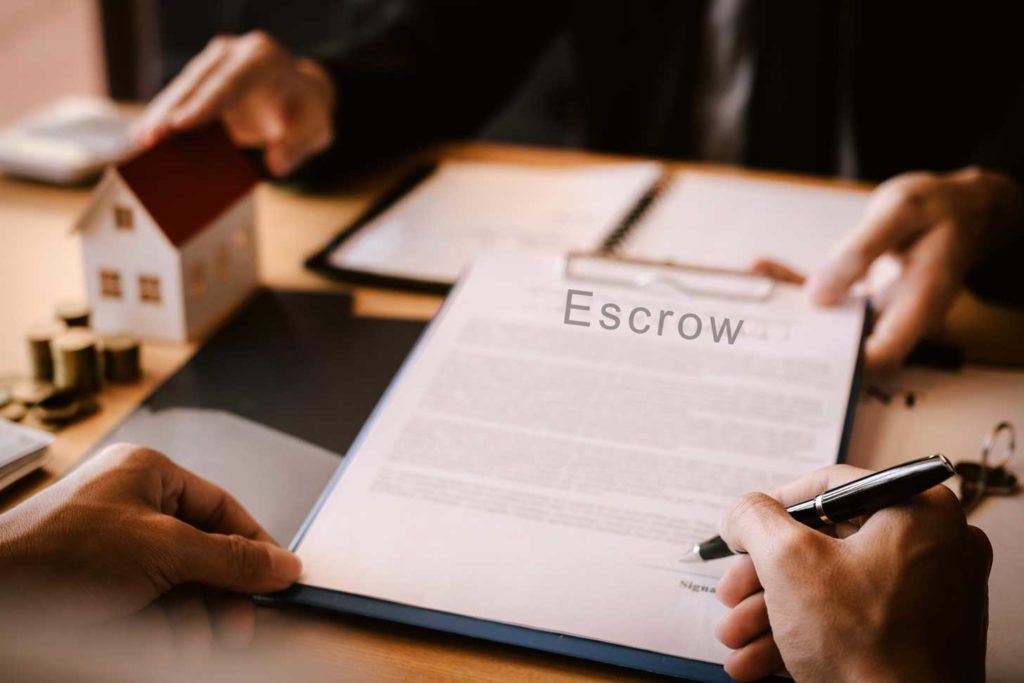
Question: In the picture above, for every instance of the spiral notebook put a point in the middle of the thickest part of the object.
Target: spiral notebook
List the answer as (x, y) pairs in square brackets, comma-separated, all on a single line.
[(423, 232)]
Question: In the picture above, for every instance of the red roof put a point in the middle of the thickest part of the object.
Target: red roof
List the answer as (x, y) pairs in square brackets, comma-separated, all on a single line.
[(189, 179)]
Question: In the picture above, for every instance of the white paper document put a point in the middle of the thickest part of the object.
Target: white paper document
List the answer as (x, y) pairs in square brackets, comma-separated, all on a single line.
[(727, 221), (465, 208), (550, 475)]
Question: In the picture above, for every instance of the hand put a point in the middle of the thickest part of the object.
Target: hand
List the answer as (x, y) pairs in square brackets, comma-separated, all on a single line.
[(938, 226), (122, 531), (266, 97), (897, 596)]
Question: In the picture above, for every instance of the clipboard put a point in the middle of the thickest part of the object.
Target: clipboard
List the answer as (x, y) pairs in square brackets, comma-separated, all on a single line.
[(320, 262), (755, 289)]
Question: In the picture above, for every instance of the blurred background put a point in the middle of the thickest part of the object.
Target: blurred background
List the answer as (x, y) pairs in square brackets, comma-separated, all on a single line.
[(129, 49)]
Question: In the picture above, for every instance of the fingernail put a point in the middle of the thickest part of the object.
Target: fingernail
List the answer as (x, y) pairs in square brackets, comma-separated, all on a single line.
[(284, 566)]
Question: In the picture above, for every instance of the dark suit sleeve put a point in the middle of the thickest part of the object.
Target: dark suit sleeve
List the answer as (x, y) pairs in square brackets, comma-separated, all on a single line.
[(997, 277), (429, 70)]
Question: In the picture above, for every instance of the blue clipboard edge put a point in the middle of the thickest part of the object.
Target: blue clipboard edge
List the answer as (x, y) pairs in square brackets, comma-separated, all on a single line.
[(508, 634)]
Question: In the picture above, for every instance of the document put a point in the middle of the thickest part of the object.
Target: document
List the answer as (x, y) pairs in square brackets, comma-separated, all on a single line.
[(465, 208), (530, 469), (748, 219)]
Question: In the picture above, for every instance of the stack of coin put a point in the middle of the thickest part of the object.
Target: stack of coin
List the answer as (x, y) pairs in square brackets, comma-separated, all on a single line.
[(121, 358), (16, 400), (58, 409), (75, 362), (8, 408), (39, 339), (30, 392), (73, 313), (13, 411)]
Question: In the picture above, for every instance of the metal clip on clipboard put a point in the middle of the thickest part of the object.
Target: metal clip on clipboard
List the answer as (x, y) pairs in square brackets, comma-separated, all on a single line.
[(691, 280)]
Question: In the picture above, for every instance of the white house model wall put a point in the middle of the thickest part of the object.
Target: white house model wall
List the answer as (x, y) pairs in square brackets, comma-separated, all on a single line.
[(139, 282), (121, 262)]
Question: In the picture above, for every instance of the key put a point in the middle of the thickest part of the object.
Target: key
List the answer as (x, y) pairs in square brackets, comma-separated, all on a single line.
[(978, 480)]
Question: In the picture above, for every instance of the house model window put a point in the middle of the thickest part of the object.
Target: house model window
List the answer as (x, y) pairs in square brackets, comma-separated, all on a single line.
[(149, 289), (110, 284), (123, 218)]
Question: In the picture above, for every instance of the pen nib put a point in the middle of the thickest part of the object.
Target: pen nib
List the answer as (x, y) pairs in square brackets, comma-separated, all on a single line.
[(693, 555)]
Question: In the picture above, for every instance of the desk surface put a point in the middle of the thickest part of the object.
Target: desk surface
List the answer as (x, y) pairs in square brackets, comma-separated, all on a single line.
[(40, 264)]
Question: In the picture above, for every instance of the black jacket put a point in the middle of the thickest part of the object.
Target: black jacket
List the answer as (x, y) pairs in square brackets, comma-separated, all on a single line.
[(924, 85)]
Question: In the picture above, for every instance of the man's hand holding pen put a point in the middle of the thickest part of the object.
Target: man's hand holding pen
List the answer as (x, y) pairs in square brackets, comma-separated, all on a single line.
[(880, 588)]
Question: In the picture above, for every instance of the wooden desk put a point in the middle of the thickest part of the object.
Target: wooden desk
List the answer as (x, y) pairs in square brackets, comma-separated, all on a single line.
[(40, 264)]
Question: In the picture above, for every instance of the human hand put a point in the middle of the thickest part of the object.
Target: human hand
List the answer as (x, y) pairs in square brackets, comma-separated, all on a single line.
[(938, 226), (899, 595), (122, 531), (265, 96)]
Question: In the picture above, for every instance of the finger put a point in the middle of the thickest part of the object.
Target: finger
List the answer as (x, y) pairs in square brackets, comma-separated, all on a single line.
[(816, 482), (759, 525), (207, 506), (981, 546), (934, 513), (256, 58), (777, 270), (892, 217), (738, 582), (230, 562), (759, 659), (919, 303), (745, 623), (154, 121), (308, 132)]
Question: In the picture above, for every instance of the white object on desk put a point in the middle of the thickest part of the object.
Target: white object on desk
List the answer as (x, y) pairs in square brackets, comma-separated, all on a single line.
[(22, 450), (726, 221), (68, 142), (465, 208), (951, 413), (526, 471)]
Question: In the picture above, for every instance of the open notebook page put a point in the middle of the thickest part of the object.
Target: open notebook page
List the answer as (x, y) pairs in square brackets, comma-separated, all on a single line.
[(534, 473), (467, 207), (727, 221)]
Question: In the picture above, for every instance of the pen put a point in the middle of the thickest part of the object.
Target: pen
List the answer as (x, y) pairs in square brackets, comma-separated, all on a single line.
[(858, 497)]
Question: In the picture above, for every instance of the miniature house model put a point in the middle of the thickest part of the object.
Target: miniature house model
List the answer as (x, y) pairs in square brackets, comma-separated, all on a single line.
[(168, 240)]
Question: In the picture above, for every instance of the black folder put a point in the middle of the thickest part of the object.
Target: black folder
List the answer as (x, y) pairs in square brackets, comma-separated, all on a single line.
[(297, 362)]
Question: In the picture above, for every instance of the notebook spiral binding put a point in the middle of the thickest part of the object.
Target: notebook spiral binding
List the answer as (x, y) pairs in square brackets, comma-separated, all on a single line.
[(633, 216)]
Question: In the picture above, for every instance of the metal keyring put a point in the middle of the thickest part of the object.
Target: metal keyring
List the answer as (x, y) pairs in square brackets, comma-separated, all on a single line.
[(990, 441)]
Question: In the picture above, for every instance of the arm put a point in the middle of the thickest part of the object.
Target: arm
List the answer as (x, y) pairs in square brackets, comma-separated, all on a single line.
[(940, 227), (435, 69), (122, 531)]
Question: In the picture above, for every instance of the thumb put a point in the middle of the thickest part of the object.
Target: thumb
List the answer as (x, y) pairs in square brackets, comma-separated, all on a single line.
[(758, 524), (232, 562)]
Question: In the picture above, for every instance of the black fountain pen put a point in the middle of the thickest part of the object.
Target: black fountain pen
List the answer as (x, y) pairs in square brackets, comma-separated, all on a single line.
[(855, 498)]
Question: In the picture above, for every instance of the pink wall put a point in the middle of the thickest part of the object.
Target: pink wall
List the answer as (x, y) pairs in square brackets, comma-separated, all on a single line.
[(48, 48)]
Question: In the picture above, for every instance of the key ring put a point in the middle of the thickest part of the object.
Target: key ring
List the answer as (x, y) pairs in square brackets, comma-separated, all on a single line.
[(990, 442)]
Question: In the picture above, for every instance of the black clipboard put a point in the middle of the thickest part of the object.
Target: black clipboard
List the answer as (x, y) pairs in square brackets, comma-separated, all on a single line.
[(320, 262)]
